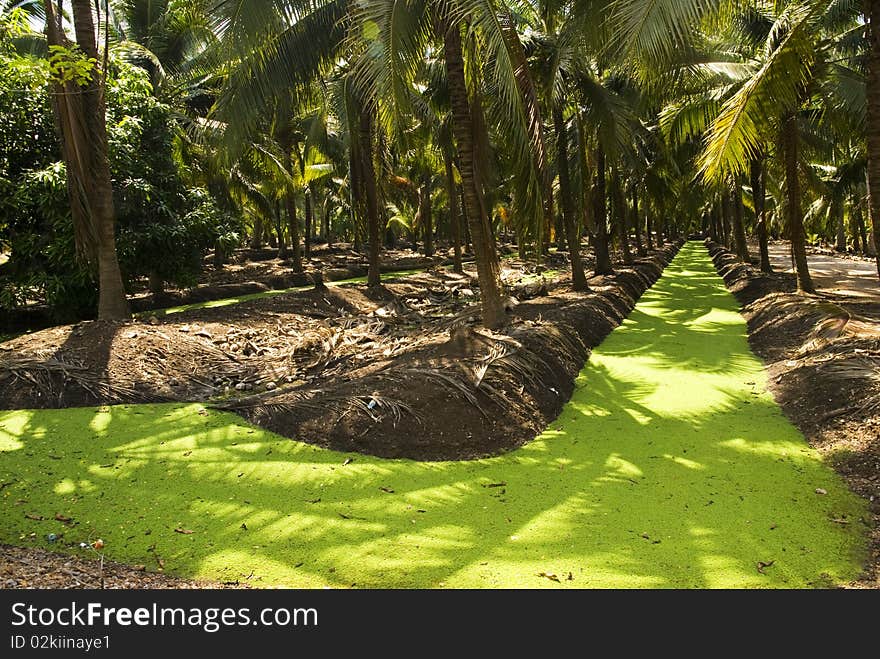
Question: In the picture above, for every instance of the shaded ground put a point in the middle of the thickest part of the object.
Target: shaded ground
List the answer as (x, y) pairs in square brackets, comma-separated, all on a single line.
[(400, 371), (823, 359), (248, 272), (637, 484), (837, 274), (254, 271), (28, 567)]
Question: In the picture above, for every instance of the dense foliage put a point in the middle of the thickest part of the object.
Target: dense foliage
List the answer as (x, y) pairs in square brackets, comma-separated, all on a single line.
[(164, 227)]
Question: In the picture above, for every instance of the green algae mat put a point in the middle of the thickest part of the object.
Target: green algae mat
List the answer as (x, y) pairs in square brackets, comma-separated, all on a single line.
[(671, 467)]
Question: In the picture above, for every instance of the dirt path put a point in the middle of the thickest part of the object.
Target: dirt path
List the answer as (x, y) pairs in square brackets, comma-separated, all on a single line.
[(671, 466), (835, 274)]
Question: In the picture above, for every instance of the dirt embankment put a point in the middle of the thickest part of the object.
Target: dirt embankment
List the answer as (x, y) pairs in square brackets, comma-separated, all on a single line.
[(399, 371), (823, 360)]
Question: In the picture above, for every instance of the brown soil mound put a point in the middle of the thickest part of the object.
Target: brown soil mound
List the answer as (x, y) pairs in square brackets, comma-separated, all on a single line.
[(399, 371), (823, 359)]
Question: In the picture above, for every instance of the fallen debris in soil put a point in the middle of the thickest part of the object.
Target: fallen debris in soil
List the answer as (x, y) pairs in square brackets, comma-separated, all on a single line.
[(32, 568), (823, 364), (256, 271), (349, 368)]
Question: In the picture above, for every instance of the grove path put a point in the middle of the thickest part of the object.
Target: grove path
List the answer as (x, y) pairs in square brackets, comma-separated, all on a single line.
[(857, 278), (671, 467)]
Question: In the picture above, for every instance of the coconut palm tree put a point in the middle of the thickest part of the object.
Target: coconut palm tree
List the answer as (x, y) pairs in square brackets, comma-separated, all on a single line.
[(556, 43), (79, 109), (872, 13), (797, 70), (285, 45)]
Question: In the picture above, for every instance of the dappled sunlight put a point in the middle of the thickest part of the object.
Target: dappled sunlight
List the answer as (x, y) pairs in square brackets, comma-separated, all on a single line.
[(671, 466), (622, 468), (684, 462), (777, 449), (715, 319), (230, 301), (12, 426), (234, 565)]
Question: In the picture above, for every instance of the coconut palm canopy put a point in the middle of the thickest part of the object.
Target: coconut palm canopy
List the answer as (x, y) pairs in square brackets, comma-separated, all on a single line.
[(463, 123)]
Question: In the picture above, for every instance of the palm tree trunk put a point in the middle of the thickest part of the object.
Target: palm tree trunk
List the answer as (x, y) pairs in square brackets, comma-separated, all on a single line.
[(649, 228), (271, 239), (840, 217), (368, 171), (872, 83), (425, 215), (637, 224), (725, 220), (455, 227), (585, 197), (757, 181), (535, 126), (325, 222), (81, 123), (559, 229), (292, 219), (854, 231), (257, 236), (859, 219), (308, 212), (620, 215), (466, 222), (738, 224), (112, 303), (578, 278), (488, 266), (790, 139), (600, 217), (292, 229)]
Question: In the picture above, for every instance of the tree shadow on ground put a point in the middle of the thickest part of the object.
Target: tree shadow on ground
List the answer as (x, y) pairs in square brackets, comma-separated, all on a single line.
[(666, 469)]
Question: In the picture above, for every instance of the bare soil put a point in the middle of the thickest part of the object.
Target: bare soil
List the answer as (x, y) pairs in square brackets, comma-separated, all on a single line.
[(850, 275), (822, 354), (247, 271), (258, 270), (399, 371), (33, 568)]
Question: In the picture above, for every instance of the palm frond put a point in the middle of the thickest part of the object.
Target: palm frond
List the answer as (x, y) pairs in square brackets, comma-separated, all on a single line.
[(737, 134)]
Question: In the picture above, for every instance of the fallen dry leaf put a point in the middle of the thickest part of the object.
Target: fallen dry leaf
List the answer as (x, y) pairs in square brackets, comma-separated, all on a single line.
[(764, 564), (549, 575), (184, 531)]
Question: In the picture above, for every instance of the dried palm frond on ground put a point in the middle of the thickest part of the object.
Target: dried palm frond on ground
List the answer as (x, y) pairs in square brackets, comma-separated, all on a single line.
[(865, 373), (50, 375)]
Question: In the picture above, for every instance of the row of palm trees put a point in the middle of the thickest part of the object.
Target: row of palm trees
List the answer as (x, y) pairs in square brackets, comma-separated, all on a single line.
[(552, 120)]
